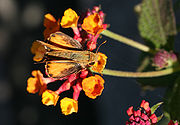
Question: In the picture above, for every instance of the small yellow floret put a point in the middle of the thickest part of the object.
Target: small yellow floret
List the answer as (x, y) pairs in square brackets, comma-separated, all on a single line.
[(68, 106)]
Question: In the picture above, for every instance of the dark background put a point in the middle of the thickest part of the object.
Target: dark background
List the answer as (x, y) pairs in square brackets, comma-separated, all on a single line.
[(22, 23)]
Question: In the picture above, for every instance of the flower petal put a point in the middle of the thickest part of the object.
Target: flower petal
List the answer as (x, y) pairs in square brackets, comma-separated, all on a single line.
[(36, 83), (68, 106), (51, 25), (49, 98), (146, 107), (69, 19), (49, 21), (153, 118), (39, 51), (130, 111), (100, 64), (93, 24), (93, 86)]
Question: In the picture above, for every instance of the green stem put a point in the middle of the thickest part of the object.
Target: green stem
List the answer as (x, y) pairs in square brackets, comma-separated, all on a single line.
[(127, 41), (140, 74)]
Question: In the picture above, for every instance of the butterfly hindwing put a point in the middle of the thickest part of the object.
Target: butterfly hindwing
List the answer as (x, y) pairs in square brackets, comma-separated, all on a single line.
[(61, 68), (64, 40)]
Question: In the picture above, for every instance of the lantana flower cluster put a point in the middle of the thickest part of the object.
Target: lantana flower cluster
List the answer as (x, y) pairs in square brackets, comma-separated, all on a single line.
[(171, 122), (86, 30), (164, 59), (142, 116)]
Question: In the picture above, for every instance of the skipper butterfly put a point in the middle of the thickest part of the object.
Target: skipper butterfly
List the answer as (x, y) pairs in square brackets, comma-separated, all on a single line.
[(65, 55)]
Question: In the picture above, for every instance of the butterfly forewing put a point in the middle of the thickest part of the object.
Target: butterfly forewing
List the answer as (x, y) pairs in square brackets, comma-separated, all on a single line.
[(50, 46), (64, 40), (61, 68)]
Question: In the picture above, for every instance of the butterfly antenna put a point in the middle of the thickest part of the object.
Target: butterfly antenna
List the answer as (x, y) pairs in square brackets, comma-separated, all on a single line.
[(100, 46)]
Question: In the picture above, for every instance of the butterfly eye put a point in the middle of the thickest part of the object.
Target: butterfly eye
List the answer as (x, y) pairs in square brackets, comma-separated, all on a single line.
[(92, 63)]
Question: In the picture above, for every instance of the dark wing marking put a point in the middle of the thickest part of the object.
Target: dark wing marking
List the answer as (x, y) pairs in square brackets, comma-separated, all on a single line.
[(64, 40), (61, 68)]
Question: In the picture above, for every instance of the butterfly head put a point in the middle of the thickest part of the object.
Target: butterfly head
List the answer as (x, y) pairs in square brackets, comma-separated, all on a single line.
[(93, 59)]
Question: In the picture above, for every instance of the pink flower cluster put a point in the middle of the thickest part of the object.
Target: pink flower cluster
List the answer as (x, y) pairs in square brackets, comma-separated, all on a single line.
[(71, 80), (89, 38), (142, 116), (163, 59), (173, 123)]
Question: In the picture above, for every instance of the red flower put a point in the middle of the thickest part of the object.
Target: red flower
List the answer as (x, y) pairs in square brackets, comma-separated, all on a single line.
[(142, 116), (153, 118), (146, 107), (90, 25), (130, 111), (172, 123)]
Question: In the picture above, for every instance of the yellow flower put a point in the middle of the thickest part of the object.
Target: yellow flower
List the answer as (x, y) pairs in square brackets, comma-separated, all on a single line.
[(68, 106), (39, 51), (100, 64), (93, 86), (70, 19), (36, 84), (51, 25), (93, 24), (49, 98)]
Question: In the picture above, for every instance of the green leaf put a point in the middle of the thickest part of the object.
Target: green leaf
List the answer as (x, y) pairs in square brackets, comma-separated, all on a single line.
[(155, 107), (156, 21), (172, 106), (167, 116), (160, 117)]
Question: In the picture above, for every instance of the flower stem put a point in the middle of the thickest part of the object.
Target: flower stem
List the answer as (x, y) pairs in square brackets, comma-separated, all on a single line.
[(140, 74), (127, 41)]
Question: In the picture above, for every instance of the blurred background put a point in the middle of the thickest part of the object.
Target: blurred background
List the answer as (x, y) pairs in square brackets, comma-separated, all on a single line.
[(21, 22)]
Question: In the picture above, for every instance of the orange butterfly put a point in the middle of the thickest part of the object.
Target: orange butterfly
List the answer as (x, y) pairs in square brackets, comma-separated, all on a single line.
[(64, 56)]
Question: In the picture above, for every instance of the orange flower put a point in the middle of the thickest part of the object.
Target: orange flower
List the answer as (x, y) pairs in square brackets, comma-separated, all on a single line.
[(39, 51), (69, 19), (93, 86), (93, 24), (49, 98), (100, 64), (51, 25), (68, 106), (36, 83)]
